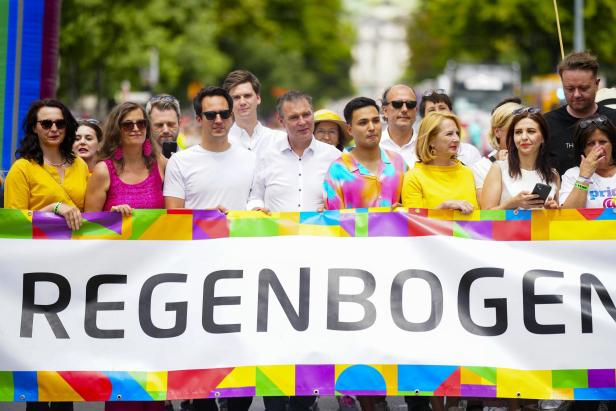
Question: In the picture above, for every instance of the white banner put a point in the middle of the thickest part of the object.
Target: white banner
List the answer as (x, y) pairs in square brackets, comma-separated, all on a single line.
[(172, 305)]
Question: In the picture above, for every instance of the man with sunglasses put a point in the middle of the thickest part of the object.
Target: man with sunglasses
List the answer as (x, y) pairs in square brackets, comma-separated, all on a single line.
[(244, 88), (399, 111), (578, 74), (164, 113), (213, 173)]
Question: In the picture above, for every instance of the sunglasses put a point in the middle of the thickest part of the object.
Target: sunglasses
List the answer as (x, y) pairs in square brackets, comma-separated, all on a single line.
[(430, 92), (47, 124), (130, 125), (91, 121), (211, 115), (397, 104), (522, 110), (599, 121)]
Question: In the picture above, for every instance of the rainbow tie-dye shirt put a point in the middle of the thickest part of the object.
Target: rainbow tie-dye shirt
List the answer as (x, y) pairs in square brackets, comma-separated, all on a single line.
[(348, 184)]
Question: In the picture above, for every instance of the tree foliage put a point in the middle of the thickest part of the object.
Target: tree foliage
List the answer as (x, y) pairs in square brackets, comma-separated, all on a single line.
[(287, 44), (503, 31)]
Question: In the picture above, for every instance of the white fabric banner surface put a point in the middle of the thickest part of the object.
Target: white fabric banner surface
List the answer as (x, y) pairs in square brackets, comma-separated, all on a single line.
[(164, 305)]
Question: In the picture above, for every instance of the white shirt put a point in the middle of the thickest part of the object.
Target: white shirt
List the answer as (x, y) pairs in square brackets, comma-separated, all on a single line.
[(467, 153), (207, 179), (407, 151), (481, 168), (601, 190), (261, 137), (511, 187), (285, 181)]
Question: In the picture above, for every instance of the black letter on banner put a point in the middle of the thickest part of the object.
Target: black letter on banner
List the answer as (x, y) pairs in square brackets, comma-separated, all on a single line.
[(530, 299), (28, 308), (499, 304), (93, 305), (436, 301), (145, 307), (209, 302), (334, 298), (587, 282), (299, 320)]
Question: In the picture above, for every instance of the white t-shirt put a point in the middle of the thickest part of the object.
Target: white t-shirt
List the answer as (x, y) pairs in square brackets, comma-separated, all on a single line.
[(601, 190), (286, 182), (207, 179), (481, 168), (512, 186), (260, 140)]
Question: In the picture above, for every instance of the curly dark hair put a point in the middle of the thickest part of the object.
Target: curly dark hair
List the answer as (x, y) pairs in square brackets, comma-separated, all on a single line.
[(542, 163), (29, 146)]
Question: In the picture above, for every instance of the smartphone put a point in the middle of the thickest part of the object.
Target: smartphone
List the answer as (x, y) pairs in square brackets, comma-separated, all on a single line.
[(542, 190), (169, 147)]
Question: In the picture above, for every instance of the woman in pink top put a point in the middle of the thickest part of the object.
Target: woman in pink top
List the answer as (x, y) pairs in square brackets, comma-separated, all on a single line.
[(131, 173)]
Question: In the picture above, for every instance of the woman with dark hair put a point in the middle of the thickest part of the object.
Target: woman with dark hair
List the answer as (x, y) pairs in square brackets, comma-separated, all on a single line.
[(47, 175), (87, 141), (592, 184), (510, 182), (131, 172)]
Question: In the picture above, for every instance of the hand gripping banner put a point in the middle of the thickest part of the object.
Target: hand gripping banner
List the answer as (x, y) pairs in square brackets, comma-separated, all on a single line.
[(197, 304)]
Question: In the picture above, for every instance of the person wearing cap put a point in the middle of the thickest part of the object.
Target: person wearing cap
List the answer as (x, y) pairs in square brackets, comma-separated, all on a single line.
[(331, 129), (247, 131), (579, 76), (367, 175)]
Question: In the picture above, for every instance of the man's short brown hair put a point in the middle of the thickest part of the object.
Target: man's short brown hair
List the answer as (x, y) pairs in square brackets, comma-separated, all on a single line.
[(237, 77), (579, 61)]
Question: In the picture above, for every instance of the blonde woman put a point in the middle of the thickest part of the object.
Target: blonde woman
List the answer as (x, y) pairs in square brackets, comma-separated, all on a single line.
[(501, 119), (439, 180)]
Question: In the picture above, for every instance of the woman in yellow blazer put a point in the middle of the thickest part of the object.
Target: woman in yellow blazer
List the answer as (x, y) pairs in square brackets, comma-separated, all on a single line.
[(47, 175), (438, 180)]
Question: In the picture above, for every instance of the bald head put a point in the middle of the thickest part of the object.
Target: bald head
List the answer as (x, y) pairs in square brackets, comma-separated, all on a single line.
[(400, 108)]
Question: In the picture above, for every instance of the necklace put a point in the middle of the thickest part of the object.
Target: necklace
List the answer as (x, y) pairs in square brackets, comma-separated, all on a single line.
[(55, 164)]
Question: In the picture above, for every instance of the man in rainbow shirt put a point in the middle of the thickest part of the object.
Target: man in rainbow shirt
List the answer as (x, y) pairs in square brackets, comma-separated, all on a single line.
[(366, 176)]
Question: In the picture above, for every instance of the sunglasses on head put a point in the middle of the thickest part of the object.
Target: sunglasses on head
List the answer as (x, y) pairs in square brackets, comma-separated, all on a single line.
[(130, 125), (522, 110), (91, 121), (47, 124), (430, 92), (598, 121), (211, 115), (397, 104)]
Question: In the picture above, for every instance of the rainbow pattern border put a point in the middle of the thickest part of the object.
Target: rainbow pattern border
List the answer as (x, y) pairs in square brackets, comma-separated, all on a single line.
[(360, 379), (497, 225)]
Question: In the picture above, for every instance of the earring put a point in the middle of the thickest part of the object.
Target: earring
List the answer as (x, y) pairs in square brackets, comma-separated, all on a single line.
[(147, 148), (117, 154), (432, 151)]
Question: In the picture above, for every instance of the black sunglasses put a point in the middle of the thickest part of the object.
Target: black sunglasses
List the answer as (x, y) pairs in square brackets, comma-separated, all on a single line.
[(211, 115), (130, 125), (522, 110), (430, 92), (47, 124), (397, 104), (599, 121)]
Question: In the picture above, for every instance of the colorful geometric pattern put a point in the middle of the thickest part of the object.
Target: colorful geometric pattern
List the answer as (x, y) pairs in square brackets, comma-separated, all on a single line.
[(358, 379), (323, 379), (498, 225)]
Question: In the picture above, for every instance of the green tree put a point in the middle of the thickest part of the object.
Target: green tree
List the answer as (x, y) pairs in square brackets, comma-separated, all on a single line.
[(287, 44), (503, 31)]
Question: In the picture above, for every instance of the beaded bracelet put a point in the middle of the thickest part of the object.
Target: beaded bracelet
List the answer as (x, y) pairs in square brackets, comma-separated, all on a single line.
[(57, 207), (581, 186)]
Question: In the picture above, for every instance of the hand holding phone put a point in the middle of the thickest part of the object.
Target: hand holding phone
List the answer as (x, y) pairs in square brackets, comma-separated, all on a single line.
[(542, 190)]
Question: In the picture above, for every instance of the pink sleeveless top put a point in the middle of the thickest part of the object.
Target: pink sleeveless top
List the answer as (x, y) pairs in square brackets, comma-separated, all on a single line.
[(146, 194)]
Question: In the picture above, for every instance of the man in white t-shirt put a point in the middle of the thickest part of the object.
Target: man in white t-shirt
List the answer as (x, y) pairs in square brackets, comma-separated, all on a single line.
[(244, 88), (289, 175), (214, 173)]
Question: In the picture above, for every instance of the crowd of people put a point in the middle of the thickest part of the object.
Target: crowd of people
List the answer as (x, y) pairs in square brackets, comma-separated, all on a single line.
[(317, 161)]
